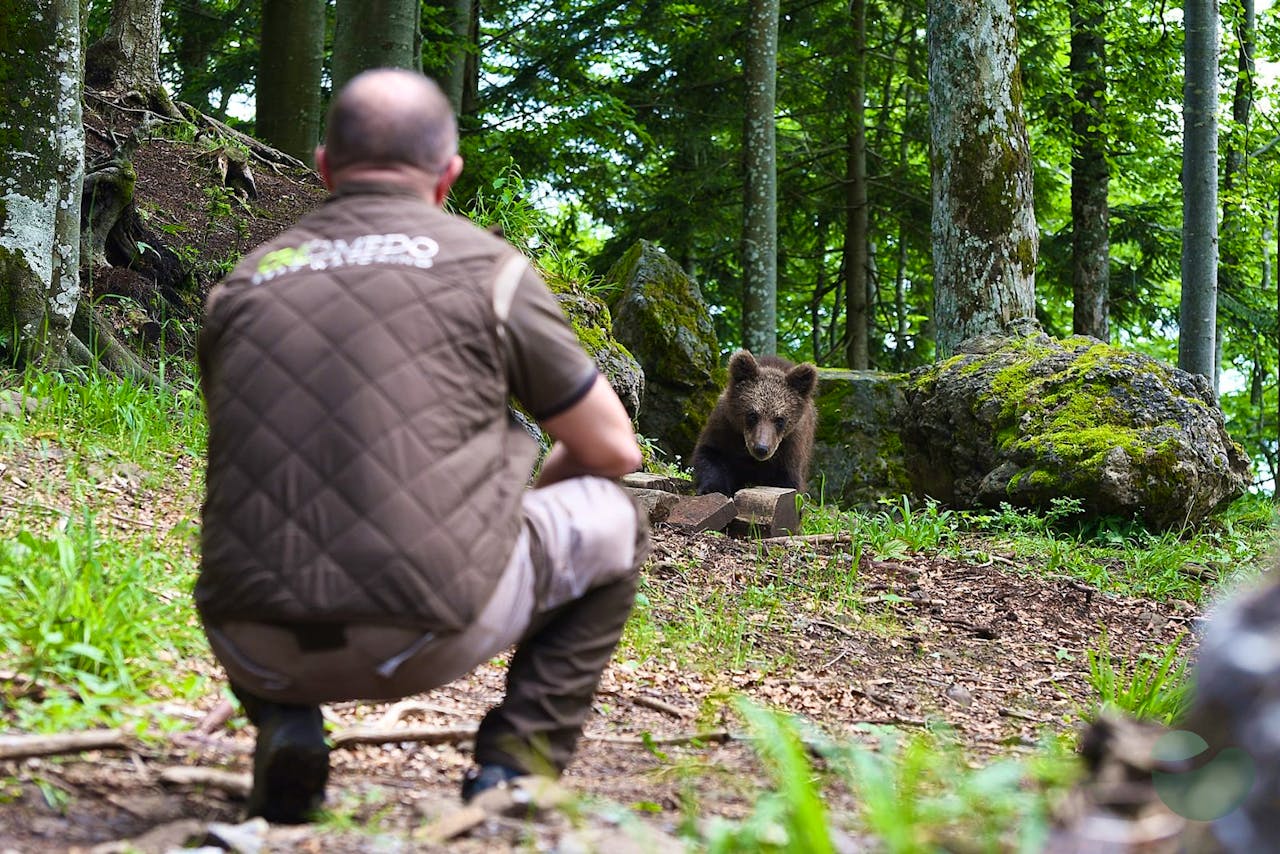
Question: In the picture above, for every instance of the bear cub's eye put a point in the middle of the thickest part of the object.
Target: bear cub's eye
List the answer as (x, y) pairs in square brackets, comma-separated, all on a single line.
[(779, 423), (753, 418)]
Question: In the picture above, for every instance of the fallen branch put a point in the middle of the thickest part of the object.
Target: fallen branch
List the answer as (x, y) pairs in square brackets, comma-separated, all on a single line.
[(227, 781), (807, 538), (353, 736), (26, 746), (719, 736), (660, 706)]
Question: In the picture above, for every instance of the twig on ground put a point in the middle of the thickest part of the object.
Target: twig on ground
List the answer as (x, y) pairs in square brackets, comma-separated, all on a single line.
[(718, 736), (660, 706), (835, 627), (1020, 715), (807, 538), (397, 712), (26, 746), (227, 781), (353, 736)]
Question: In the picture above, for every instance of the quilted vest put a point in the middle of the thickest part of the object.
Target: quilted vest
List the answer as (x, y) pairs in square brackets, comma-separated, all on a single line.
[(362, 462)]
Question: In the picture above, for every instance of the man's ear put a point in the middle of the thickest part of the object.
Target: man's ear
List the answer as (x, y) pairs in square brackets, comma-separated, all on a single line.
[(322, 166), (445, 182)]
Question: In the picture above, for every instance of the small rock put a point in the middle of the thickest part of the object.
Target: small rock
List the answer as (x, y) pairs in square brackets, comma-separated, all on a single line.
[(959, 695)]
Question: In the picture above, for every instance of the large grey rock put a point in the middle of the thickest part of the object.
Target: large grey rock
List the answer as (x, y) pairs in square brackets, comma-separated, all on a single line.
[(857, 451), (662, 318), (1027, 420)]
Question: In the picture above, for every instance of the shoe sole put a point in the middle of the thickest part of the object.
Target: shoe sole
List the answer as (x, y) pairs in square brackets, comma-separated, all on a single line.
[(296, 775)]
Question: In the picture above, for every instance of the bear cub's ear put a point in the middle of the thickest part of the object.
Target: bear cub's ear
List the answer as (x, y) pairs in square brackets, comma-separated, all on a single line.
[(803, 379), (743, 367)]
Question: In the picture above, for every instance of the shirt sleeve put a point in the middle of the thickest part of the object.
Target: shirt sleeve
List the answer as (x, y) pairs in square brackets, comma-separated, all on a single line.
[(546, 366)]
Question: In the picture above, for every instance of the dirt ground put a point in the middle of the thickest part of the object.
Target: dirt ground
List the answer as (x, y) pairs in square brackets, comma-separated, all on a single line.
[(995, 654)]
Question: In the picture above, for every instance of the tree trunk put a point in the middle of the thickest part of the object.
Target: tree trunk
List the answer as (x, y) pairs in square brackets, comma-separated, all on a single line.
[(984, 230), (373, 34), (856, 224), (289, 67), (760, 202), (1090, 174), (44, 169), (1197, 317), (127, 59), (455, 77), (1234, 229)]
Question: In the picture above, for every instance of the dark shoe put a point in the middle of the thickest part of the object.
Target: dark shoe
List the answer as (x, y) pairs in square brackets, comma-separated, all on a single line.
[(486, 777), (290, 766)]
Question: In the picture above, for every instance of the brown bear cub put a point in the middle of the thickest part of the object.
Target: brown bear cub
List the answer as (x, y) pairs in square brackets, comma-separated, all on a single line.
[(761, 430)]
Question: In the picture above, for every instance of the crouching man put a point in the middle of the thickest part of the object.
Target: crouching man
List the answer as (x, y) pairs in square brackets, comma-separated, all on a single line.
[(367, 533)]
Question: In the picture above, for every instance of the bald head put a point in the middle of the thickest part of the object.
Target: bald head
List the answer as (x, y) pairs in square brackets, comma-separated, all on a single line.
[(387, 119)]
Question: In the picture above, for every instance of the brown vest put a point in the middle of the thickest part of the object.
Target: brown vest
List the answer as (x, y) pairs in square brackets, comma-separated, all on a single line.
[(363, 465)]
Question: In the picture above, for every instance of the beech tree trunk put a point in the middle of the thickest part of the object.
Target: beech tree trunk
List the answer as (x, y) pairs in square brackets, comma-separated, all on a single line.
[(760, 200), (289, 68), (41, 173), (985, 239), (127, 59), (1197, 320), (1090, 174), (857, 311), (374, 34)]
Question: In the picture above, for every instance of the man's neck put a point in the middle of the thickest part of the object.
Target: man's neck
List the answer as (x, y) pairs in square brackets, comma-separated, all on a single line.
[(414, 181)]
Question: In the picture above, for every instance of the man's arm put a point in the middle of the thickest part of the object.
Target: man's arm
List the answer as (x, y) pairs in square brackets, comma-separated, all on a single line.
[(592, 437)]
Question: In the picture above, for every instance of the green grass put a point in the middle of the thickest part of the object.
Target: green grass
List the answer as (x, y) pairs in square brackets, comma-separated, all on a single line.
[(95, 603), (1155, 686), (109, 415), (1113, 555), (96, 623), (912, 793)]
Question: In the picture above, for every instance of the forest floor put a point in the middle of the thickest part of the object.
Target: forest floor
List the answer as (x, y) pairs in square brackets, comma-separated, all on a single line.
[(971, 645), (985, 650)]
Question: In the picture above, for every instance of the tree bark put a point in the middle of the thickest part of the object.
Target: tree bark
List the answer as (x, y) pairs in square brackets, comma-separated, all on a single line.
[(289, 68), (1234, 229), (1198, 314), (1090, 174), (374, 34), (455, 76), (127, 59), (760, 201), (984, 229), (857, 216), (43, 157)]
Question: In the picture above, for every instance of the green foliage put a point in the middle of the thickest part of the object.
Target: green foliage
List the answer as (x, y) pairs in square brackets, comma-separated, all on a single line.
[(78, 614), (1154, 687), (790, 818), (105, 411), (922, 795), (913, 794)]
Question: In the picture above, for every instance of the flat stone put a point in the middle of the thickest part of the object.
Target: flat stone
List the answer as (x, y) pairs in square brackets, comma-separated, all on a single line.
[(697, 513)]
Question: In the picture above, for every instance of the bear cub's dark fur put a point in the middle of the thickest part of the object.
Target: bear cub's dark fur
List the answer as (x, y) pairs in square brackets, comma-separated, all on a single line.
[(761, 430)]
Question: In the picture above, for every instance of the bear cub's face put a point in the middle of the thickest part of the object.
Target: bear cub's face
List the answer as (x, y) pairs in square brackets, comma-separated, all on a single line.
[(769, 398)]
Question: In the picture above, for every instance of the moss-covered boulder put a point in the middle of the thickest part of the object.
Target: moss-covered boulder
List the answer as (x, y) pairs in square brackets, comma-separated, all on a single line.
[(1027, 420), (857, 451), (661, 317), (593, 325)]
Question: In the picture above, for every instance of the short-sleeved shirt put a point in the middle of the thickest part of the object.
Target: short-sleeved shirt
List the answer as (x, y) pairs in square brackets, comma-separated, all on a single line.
[(363, 464)]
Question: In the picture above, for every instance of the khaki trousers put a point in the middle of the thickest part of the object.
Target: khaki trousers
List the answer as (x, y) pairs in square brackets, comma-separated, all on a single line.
[(563, 598)]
